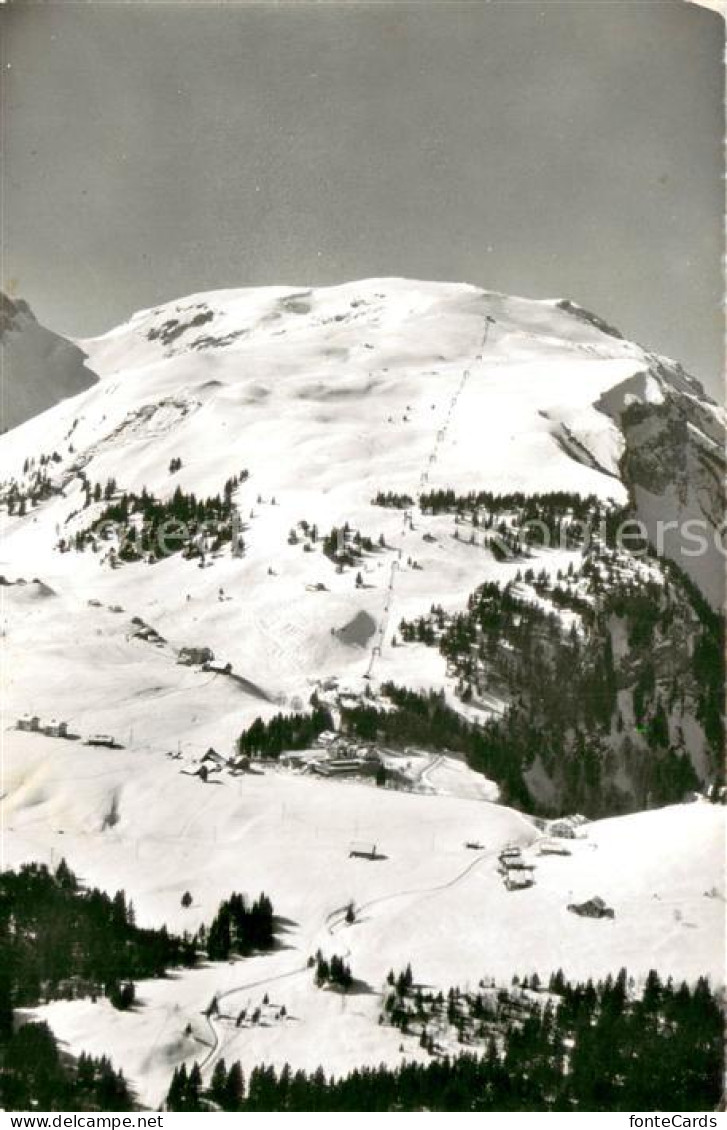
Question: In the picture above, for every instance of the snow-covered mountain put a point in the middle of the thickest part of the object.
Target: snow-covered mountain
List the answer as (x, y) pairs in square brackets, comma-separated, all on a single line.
[(311, 403), (39, 367), (337, 372), (367, 458)]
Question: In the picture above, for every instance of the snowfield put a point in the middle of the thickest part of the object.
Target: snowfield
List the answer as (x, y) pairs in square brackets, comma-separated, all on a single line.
[(325, 397)]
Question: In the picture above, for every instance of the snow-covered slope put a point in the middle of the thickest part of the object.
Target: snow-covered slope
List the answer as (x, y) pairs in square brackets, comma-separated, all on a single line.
[(132, 820), (39, 367), (314, 376)]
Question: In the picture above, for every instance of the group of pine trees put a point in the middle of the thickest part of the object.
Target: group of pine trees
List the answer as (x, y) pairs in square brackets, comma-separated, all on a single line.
[(345, 546), (35, 488), (392, 500), (58, 939), (332, 971), (153, 528), (226, 1090), (284, 732), (708, 658), (515, 523), (241, 928), (551, 506)]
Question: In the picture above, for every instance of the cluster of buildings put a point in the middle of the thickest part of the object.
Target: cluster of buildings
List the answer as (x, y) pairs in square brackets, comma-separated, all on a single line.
[(567, 827), (53, 729), (195, 656), (203, 657), (144, 631), (213, 762), (32, 724), (516, 872), (335, 755), (330, 756)]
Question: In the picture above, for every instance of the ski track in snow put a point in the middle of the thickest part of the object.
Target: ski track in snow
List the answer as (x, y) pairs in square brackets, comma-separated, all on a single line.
[(332, 919)]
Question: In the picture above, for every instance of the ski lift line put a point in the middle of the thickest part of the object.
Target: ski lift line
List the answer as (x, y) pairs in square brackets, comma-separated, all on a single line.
[(423, 481)]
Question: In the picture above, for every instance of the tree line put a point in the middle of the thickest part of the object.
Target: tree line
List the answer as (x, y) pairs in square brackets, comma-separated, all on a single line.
[(568, 1047), (392, 500), (284, 732)]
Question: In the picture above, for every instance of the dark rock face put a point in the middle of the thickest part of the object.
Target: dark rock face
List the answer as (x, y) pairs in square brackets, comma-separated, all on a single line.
[(590, 318), (40, 367), (674, 467)]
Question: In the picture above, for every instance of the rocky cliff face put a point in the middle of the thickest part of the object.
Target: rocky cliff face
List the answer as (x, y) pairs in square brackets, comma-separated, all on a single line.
[(674, 468), (40, 367)]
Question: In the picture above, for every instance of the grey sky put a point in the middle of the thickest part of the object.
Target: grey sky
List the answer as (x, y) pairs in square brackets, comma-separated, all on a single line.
[(545, 149)]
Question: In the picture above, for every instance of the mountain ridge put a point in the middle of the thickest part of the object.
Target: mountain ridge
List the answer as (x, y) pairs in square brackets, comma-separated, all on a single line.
[(330, 325)]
